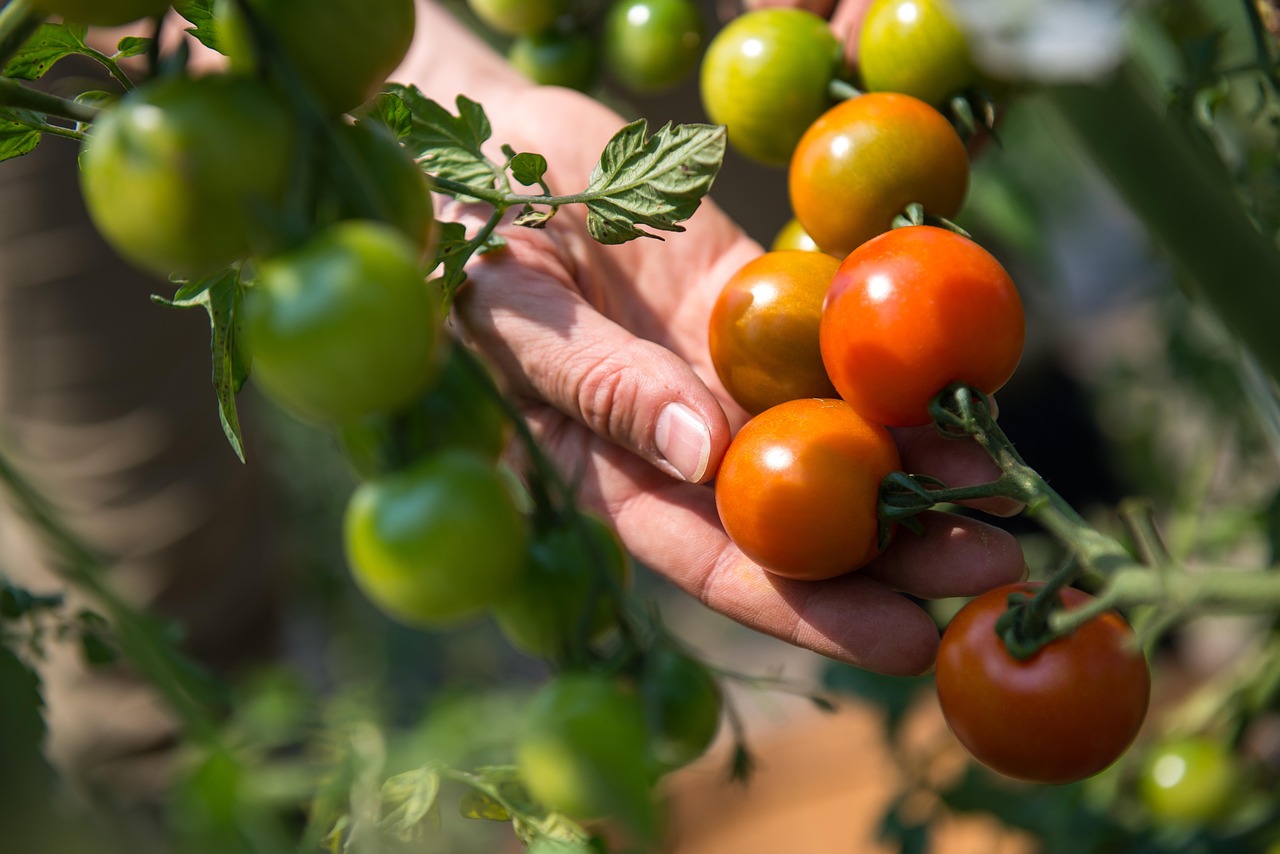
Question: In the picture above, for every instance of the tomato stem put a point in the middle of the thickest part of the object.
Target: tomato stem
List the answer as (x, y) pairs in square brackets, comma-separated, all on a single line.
[(17, 24), (14, 94)]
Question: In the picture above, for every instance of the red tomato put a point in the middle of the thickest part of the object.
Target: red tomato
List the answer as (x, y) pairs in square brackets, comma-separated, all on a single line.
[(864, 160), (763, 334), (799, 486), (1062, 715), (913, 310)]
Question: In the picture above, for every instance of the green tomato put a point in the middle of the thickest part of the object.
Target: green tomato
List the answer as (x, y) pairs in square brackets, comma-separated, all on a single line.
[(519, 17), (583, 750), (343, 49), (100, 13), (651, 45), (178, 174), (547, 611), (436, 543), (1190, 781), (765, 78), (682, 702), (557, 58), (793, 236), (344, 325), (915, 47), (392, 187)]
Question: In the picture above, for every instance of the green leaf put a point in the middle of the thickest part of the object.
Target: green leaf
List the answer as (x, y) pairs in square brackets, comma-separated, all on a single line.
[(200, 14), (453, 250), (49, 43), (94, 639), (529, 169), (476, 804), (17, 134), (446, 145), (220, 295), (410, 804), (657, 181), (22, 728), (391, 110), (17, 602), (130, 46)]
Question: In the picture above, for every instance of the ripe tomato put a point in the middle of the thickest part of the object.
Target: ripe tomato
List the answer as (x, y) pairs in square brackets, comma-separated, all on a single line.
[(913, 310), (652, 44), (435, 543), (519, 17), (176, 173), (344, 325), (100, 13), (682, 702), (1064, 714), (793, 236), (394, 189), (765, 77), (1190, 781), (546, 612), (863, 161), (557, 58), (583, 750), (763, 333), (915, 47), (343, 49), (799, 486)]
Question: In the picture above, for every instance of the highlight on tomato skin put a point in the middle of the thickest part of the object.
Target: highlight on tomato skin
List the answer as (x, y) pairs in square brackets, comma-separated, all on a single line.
[(798, 489)]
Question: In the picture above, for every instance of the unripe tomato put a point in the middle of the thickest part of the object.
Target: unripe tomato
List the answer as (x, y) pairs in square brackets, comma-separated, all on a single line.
[(435, 543), (1063, 714), (682, 702), (652, 44), (519, 17), (765, 78), (912, 311), (395, 189), (344, 325), (100, 13), (557, 58), (915, 47), (863, 161), (1190, 781), (763, 333), (176, 174), (793, 236), (799, 487)]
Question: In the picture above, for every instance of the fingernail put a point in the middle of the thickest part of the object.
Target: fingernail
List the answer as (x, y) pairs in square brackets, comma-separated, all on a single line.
[(683, 440)]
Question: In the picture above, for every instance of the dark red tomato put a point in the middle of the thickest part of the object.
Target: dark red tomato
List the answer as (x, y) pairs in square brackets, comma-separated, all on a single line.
[(799, 486), (1062, 715), (912, 311), (763, 333), (915, 47), (864, 160)]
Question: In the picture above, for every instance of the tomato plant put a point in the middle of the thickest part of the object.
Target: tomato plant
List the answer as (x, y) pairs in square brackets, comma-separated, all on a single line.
[(798, 488), (1063, 714), (652, 44), (682, 702), (915, 47), (519, 17), (765, 77), (913, 310), (371, 38), (435, 543), (179, 173), (102, 13), (861, 163), (763, 333), (1190, 781), (557, 58), (343, 326)]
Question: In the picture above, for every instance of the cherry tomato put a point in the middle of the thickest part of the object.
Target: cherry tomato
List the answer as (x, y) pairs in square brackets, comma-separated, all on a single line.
[(393, 188), (1062, 715), (682, 701), (913, 310), (652, 44), (1190, 781), (567, 58), (798, 488), (765, 78), (343, 326), (100, 13), (519, 17), (863, 161), (763, 334), (343, 49), (176, 174), (583, 750), (435, 543), (793, 236), (545, 614), (915, 47)]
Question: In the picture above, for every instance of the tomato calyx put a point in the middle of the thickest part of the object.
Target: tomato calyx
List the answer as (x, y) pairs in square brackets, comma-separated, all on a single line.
[(915, 214), (1024, 628)]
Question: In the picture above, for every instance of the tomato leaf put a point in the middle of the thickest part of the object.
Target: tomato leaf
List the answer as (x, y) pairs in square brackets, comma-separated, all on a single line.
[(529, 169), (478, 805), (132, 46), (656, 181), (49, 43), (18, 135), (200, 14), (17, 602), (411, 805), (447, 145)]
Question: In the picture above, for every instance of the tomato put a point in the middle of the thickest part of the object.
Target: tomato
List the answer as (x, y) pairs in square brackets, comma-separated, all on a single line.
[(1190, 781), (546, 613), (1062, 715), (392, 187), (519, 17), (344, 325), (343, 49), (557, 58), (652, 44), (763, 333), (682, 701), (798, 488), (915, 47), (765, 78), (177, 174), (912, 311), (101, 13), (793, 236), (583, 750), (863, 161), (435, 543)]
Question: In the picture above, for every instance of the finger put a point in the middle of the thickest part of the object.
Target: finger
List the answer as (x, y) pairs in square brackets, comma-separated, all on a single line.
[(552, 345), (955, 462), (846, 23), (954, 556), (818, 7)]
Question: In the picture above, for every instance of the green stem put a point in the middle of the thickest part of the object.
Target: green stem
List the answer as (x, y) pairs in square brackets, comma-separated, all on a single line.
[(505, 199), (17, 23), (842, 90), (113, 68), (14, 94)]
